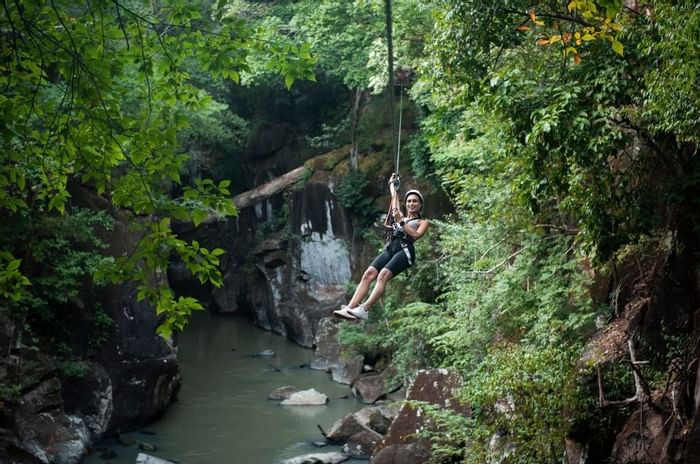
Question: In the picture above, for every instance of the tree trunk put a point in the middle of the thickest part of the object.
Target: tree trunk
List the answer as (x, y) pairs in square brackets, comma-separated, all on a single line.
[(357, 104)]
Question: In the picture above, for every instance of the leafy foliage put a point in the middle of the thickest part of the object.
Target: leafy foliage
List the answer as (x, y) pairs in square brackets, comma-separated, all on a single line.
[(555, 165), (96, 93), (525, 397), (352, 195)]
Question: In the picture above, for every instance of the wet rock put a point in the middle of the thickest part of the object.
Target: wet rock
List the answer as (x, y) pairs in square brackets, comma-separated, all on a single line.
[(309, 397), (344, 428), (282, 393), (265, 354), (362, 444), (144, 446), (143, 458), (317, 458)]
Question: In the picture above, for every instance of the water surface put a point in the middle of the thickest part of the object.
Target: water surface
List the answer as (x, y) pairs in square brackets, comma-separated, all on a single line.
[(223, 415)]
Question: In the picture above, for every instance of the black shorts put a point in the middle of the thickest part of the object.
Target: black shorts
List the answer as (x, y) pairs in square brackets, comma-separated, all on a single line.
[(395, 257)]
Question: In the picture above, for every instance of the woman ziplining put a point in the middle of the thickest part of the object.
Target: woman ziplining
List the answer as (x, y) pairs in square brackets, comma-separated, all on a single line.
[(398, 254)]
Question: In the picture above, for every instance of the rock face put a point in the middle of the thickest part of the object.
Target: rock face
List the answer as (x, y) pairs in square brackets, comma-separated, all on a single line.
[(287, 260), (57, 418), (642, 440), (58, 415), (436, 387)]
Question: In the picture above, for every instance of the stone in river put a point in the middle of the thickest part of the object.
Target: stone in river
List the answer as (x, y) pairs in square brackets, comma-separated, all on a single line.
[(282, 393), (144, 458), (318, 458), (265, 354), (306, 398)]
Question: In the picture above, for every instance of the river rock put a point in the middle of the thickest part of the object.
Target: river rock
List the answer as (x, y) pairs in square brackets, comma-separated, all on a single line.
[(377, 418), (344, 364), (309, 397), (282, 393), (435, 386), (409, 453), (317, 458), (373, 386), (344, 428), (143, 458), (265, 354), (362, 444)]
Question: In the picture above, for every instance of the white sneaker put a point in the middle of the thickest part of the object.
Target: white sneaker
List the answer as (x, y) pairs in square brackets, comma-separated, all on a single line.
[(360, 312), (344, 313)]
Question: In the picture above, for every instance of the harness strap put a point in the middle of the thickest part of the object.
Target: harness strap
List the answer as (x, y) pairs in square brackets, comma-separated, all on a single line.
[(404, 246)]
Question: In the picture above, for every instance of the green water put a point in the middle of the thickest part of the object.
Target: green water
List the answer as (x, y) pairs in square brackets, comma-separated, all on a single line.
[(223, 415)]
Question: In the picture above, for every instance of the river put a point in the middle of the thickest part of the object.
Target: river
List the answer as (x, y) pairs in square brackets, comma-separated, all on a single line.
[(223, 415)]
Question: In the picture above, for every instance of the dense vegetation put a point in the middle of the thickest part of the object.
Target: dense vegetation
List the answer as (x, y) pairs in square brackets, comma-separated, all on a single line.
[(102, 94), (565, 134)]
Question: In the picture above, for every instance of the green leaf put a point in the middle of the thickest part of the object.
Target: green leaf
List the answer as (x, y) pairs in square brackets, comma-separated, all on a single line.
[(288, 81), (617, 47)]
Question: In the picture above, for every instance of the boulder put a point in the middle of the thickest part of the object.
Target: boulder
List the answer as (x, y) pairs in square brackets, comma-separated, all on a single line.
[(373, 386), (282, 393), (400, 446), (362, 444), (317, 458), (52, 436), (343, 364), (306, 398), (143, 458), (409, 453), (343, 429), (265, 354), (377, 418), (90, 397)]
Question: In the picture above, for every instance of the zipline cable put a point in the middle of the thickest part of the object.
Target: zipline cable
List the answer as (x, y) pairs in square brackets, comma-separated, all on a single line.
[(398, 145)]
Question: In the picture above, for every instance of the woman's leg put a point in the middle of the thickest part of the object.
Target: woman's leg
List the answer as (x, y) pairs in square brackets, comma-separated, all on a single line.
[(363, 287), (384, 276), (398, 263)]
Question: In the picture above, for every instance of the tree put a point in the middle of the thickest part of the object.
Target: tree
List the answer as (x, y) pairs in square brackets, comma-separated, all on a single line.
[(96, 93), (342, 33)]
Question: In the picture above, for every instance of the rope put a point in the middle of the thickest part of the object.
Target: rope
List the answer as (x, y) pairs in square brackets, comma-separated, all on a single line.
[(398, 145)]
